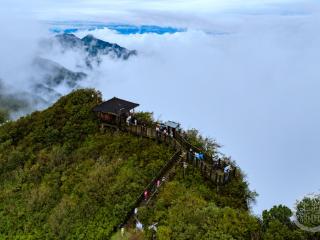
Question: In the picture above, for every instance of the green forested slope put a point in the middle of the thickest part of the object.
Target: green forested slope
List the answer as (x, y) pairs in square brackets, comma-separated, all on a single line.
[(61, 178), (191, 208)]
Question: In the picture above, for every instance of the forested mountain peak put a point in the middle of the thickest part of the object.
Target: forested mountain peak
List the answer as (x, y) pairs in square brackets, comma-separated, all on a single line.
[(61, 177)]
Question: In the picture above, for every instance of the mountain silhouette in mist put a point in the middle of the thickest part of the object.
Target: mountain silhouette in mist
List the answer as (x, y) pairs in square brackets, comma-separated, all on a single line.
[(50, 79), (94, 46), (54, 74)]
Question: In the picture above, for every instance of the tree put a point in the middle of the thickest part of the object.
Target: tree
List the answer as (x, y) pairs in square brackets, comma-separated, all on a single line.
[(277, 225), (280, 213), (196, 139), (4, 115), (145, 118), (308, 211)]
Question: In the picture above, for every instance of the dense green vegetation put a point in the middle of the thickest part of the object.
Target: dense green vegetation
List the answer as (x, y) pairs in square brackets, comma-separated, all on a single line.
[(61, 178), (9, 103), (188, 208), (191, 208), (4, 115)]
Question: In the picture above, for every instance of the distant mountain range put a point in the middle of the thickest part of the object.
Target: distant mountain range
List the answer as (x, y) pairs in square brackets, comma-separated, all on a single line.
[(95, 47), (9, 101), (51, 79), (75, 26), (54, 74)]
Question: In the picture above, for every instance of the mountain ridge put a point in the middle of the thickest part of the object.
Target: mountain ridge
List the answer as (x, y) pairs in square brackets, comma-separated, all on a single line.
[(94, 46), (69, 180), (49, 79), (62, 177)]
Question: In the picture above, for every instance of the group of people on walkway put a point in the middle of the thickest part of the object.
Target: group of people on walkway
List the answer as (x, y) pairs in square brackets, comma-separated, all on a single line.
[(166, 131), (148, 192), (162, 130), (131, 120), (221, 169), (193, 155)]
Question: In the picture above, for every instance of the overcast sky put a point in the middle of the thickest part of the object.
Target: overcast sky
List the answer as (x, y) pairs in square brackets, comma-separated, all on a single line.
[(123, 10), (255, 88)]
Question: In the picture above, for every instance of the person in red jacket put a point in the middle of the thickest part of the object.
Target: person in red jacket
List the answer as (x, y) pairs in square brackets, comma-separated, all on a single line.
[(146, 195)]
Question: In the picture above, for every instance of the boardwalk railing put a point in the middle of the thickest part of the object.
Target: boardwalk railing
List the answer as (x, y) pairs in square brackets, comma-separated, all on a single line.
[(182, 148), (150, 188), (150, 132), (209, 168), (187, 145)]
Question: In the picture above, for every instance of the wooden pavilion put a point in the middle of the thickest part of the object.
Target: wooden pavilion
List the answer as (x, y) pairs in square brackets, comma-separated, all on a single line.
[(114, 111)]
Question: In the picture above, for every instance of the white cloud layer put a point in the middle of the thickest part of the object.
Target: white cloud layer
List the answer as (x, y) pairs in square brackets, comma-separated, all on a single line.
[(18, 44), (255, 90), (163, 12)]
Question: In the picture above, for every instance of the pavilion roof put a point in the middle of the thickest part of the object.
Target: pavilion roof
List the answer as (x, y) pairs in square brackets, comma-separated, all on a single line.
[(115, 106), (172, 124)]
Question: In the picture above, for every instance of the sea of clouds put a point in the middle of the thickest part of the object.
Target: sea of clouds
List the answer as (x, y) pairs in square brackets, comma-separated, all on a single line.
[(249, 80)]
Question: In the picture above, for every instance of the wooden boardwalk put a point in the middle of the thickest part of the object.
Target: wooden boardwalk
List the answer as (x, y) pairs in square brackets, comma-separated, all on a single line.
[(182, 147), (209, 168)]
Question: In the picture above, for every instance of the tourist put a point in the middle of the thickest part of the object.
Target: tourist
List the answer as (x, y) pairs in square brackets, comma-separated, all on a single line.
[(139, 225), (220, 176), (145, 195), (158, 130), (165, 134), (227, 173), (128, 120), (190, 154)]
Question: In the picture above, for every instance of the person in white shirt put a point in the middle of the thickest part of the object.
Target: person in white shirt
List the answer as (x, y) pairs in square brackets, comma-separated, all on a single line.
[(128, 120), (139, 226)]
